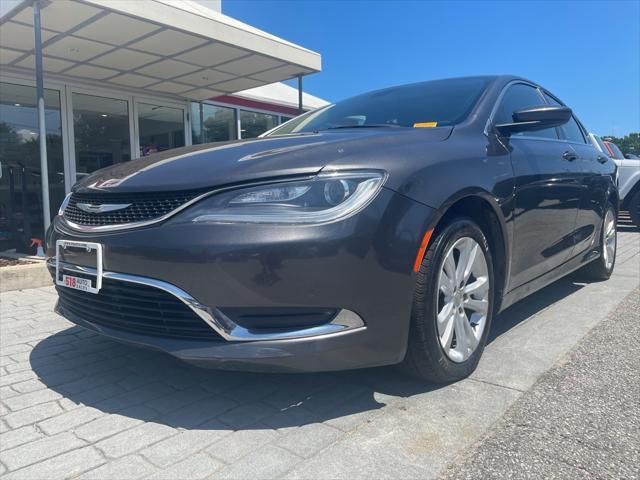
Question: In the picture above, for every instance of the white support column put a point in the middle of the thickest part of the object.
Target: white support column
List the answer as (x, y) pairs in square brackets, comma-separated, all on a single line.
[(300, 104), (238, 124), (42, 130)]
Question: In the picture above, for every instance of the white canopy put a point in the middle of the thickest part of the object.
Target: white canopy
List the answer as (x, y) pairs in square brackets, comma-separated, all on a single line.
[(282, 94), (178, 48)]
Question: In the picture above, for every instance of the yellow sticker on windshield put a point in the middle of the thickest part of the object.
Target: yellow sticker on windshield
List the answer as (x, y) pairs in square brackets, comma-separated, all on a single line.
[(425, 124)]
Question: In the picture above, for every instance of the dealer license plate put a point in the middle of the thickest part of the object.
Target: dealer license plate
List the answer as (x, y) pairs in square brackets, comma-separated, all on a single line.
[(78, 283), (64, 279)]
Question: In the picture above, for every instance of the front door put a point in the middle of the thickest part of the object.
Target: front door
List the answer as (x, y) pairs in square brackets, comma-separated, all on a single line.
[(547, 197), (594, 185), (547, 190)]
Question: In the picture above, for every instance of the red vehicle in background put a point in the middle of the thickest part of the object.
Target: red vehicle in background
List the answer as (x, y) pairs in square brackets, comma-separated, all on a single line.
[(613, 150)]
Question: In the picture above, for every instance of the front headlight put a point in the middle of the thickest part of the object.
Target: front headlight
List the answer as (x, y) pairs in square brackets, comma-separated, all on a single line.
[(325, 198)]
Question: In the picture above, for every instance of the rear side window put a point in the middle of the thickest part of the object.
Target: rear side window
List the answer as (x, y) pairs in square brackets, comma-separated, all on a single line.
[(571, 130), (518, 97)]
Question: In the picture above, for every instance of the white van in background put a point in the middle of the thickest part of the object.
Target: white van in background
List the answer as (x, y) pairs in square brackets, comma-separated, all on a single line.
[(629, 176)]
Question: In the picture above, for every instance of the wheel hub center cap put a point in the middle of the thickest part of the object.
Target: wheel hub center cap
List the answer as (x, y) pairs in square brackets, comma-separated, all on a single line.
[(458, 298)]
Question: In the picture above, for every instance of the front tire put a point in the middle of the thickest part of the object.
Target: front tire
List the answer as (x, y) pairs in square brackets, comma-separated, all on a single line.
[(602, 267), (452, 305)]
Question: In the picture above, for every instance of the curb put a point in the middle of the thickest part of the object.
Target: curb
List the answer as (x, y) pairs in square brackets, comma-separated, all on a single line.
[(18, 277)]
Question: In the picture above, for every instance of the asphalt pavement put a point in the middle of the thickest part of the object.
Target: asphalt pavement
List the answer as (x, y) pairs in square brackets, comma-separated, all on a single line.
[(580, 420)]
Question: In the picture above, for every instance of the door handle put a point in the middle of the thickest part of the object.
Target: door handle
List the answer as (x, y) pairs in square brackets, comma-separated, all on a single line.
[(602, 159), (570, 156)]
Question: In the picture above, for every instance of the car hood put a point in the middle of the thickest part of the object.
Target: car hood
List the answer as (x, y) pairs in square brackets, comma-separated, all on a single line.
[(227, 163)]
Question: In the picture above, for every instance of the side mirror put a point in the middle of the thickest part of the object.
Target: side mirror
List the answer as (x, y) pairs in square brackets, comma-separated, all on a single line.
[(536, 118)]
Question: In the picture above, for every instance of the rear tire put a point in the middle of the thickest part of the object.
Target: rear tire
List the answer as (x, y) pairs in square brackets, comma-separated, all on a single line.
[(602, 268), (436, 352), (634, 208)]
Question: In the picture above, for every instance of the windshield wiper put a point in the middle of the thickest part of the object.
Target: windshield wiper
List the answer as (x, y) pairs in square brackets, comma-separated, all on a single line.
[(366, 125)]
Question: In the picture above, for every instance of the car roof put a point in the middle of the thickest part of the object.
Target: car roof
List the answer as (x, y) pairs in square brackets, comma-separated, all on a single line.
[(502, 79)]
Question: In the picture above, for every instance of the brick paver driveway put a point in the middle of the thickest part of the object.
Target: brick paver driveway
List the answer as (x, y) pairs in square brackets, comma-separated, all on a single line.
[(73, 404)]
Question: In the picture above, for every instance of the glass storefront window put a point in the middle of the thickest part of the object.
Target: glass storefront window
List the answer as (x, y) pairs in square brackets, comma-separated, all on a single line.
[(284, 119), (218, 123), (101, 131), (160, 128), (253, 124), (212, 123), (101, 137), (20, 188)]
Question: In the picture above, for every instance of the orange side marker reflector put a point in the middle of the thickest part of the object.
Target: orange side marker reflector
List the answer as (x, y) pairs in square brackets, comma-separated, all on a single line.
[(422, 249)]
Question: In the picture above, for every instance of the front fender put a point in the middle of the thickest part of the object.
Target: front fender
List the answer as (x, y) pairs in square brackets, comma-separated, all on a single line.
[(472, 202)]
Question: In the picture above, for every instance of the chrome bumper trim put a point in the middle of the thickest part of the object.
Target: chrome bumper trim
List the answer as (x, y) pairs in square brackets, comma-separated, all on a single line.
[(229, 330)]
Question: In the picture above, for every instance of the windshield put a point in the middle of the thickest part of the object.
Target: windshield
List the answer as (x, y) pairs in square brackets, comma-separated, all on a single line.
[(425, 104)]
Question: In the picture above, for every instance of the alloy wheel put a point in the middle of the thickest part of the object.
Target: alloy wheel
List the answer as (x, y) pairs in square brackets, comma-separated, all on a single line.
[(463, 299)]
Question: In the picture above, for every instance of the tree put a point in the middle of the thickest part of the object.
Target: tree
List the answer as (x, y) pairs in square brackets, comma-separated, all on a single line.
[(627, 144)]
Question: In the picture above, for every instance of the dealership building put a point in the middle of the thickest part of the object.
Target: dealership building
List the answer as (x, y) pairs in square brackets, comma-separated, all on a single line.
[(124, 79)]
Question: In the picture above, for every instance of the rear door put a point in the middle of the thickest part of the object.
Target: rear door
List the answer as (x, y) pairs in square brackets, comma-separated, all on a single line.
[(547, 191)]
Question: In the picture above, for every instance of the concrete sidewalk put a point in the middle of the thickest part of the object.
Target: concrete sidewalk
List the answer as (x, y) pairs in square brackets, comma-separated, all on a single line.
[(73, 404), (580, 420)]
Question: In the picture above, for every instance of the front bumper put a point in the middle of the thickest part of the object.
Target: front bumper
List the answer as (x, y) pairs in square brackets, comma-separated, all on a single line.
[(361, 266)]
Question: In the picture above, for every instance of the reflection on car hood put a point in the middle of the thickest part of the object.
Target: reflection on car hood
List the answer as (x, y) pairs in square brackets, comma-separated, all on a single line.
[(227, 163)]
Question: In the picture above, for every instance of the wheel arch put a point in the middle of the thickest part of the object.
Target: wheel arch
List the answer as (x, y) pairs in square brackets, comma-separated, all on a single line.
[(483, 208)]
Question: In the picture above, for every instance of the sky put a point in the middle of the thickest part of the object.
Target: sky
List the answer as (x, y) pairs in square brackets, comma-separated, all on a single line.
[(585, 52)]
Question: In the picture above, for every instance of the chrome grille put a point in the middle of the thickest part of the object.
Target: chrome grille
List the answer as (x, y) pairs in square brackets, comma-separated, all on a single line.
[(142, 206)]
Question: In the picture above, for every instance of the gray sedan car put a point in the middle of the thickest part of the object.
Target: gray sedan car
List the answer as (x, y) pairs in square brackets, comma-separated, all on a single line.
[(389, 227)]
